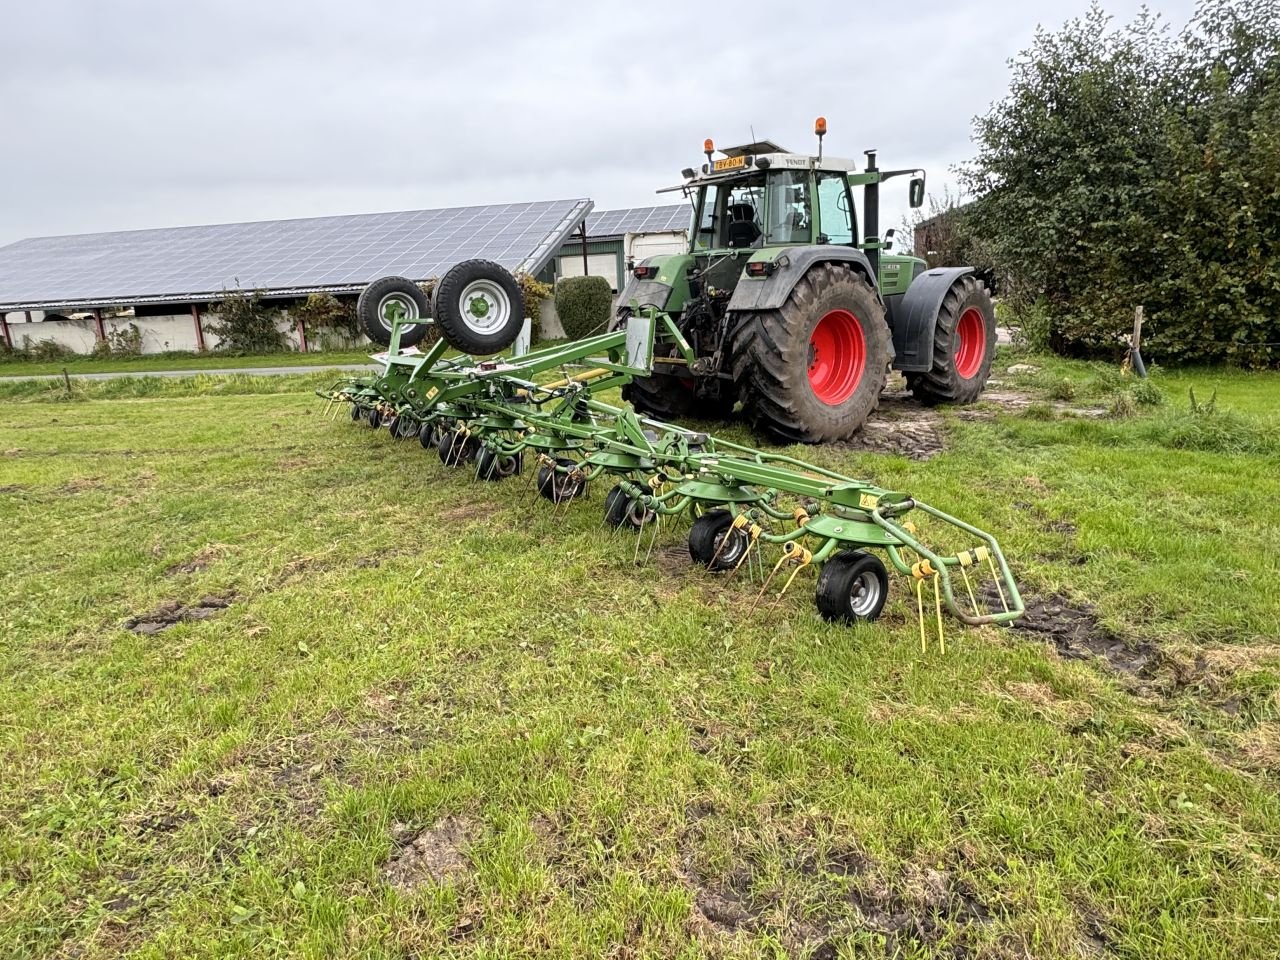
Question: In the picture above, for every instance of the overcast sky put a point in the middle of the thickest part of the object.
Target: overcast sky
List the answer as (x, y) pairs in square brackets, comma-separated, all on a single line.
[(129, 114)]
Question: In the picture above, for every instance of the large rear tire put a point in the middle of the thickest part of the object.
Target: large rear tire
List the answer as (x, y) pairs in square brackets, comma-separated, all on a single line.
[(388, 299), (478, 307), (812, 371), (964, 344)]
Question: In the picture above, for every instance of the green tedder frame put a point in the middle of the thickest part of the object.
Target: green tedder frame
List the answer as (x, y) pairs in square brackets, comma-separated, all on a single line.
[(493, 411)]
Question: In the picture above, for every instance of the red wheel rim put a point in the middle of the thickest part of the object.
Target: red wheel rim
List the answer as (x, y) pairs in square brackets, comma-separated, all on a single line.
[(971, 343), (837, 357)]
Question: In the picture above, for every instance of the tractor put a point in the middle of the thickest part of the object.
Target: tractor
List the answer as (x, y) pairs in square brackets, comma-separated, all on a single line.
[(782, 305)]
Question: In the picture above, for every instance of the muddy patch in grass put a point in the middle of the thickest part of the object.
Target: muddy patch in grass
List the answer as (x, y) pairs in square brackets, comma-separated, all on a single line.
[(902, 426), (1076, 633), (432, 856), (474, 510), (172, 612)]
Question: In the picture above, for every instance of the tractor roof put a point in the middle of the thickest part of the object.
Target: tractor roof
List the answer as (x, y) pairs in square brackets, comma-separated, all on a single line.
[(752, 163)]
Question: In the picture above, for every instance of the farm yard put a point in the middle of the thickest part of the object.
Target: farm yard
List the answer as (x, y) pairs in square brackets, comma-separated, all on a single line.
[(278, 685)]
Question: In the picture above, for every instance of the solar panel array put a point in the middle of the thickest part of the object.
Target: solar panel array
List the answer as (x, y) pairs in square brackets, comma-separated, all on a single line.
[(191, 264), (664, 219)]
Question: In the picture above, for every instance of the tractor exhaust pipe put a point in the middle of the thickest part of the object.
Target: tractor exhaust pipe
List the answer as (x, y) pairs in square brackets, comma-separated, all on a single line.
[(871, 216)]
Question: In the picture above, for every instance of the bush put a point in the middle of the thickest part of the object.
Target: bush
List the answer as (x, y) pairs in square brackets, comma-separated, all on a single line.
[(1133, 166), (323, 313), (245, 324), (534, 292), (123, 341), (47, 350), (584, 305)]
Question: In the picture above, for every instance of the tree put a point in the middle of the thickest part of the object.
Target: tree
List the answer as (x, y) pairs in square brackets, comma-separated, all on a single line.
[(1127, 166)]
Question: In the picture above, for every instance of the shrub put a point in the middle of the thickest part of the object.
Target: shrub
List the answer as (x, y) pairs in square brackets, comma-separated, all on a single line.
[(245, 324), (534, 291), (324, 313), (47, 350), (1147, 394), (123, 341), (584, 305)]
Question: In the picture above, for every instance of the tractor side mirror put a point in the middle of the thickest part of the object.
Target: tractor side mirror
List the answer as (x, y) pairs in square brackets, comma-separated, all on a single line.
[(915, 193), (888, 239)]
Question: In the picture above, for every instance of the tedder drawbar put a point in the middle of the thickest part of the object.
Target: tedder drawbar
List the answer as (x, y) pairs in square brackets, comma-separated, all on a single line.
[(742, 503)]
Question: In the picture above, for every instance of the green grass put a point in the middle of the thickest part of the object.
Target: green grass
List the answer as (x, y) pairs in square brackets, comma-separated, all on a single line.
[(179, 361), (642, 768)]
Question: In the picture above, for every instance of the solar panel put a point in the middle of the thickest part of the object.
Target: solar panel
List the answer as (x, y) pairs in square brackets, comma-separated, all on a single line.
[(341, 254), (663, 219)]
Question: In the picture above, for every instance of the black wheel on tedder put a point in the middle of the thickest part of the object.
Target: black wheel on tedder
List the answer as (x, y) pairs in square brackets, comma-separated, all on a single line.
[(457, 447), (387, 300), (357, 412), (620, 510), (491, 465), (373, 417), (402, 427), (964, 343), (715, 542), (429, 436), (812, 370), (559, 486), (853, 586)]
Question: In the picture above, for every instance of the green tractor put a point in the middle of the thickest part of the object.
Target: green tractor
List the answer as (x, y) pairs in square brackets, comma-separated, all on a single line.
[(782, 305)]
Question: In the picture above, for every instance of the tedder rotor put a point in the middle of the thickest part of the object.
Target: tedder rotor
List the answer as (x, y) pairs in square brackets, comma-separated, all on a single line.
[(741, 503)]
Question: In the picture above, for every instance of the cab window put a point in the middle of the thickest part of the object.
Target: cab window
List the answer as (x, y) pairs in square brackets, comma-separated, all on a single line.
[(835, 212), (790, 216)]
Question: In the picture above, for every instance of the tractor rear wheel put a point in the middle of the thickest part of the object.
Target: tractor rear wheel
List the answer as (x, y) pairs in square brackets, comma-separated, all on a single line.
[(812, 370), (964, 343)]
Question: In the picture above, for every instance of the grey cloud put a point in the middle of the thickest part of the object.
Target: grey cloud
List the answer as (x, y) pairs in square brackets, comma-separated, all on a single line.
[(134, 114)]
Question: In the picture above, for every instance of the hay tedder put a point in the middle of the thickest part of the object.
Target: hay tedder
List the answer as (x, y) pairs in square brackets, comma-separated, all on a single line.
[(538, 413)]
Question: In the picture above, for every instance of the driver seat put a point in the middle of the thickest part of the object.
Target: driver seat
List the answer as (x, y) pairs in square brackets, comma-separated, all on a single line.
[(742, 230)]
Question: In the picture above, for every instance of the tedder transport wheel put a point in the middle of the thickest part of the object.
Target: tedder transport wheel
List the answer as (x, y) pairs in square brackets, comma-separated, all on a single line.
[(384, 301), (557, 486), (715, 543), (853, 586), (964, 343), (497, 466), (812, 371), (478, 307), (357, 411), (429, 436), (373, 417)]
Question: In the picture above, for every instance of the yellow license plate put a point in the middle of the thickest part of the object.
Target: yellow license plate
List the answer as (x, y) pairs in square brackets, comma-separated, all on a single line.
[(728, 163)]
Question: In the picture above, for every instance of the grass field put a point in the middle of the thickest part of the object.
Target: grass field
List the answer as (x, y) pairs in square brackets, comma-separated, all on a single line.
[(186, 361), (399, 713)]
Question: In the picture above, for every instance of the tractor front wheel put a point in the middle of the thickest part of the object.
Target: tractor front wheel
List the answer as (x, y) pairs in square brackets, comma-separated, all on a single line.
[(964, 343), (812, 370)]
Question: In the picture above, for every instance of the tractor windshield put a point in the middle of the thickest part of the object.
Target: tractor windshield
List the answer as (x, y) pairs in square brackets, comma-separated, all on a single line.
[(757, 210)]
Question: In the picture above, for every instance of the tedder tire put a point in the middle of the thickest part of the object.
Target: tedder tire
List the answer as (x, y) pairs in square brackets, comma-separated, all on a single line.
[(853, 586), (478, 307), (707, 541), (373, 417), (620, 511), (964, 343), (402, 427), (456, 448), (559, 487), (491, 465), (383, 300), (357, 412), (812, 370), (429, 436)]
